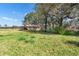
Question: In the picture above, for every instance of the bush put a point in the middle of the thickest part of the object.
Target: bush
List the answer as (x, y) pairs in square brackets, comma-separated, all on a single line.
[(21, 38), (29, 40), (69, 32), (26, 39), (60, 30)]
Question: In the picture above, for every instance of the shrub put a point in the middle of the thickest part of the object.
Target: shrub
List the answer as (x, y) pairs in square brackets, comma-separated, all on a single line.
[(69, 32), (32, 36), (29, 40), (26, 39), (60, 30), (21, 38)]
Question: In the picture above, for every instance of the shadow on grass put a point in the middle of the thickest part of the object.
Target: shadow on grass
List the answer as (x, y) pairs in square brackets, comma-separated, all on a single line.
[(71, 33), (41, 32), (5, 35), (72, 43), (67, 33)]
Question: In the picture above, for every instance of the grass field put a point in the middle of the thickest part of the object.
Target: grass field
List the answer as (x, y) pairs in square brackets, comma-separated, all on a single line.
[(23, 43)]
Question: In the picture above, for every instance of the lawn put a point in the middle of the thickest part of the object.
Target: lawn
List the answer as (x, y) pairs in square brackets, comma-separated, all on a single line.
[(23, 43)]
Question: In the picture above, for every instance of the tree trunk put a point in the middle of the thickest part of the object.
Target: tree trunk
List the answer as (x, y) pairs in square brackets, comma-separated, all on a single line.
[(61, 22), (45, 24)]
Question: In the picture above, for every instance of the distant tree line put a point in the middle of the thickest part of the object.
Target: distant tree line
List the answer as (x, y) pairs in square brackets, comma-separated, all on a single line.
[(10, 27)]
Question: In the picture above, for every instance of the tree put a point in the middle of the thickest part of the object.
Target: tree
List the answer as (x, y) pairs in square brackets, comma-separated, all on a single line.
[(50, 15), (0, 25), (43, 10), (31, 19), (5, 25)]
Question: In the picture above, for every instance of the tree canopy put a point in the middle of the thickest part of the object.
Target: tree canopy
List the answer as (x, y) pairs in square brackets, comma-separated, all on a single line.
[(51, 15)]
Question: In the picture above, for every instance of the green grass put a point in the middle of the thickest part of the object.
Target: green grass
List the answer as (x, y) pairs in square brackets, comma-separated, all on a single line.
[(23, 43)]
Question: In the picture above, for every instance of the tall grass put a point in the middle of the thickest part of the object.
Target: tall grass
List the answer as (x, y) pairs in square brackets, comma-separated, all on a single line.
[(22, 43)]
